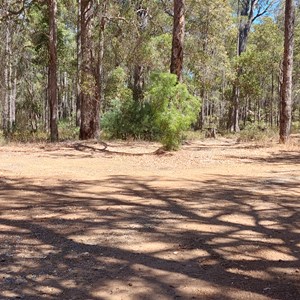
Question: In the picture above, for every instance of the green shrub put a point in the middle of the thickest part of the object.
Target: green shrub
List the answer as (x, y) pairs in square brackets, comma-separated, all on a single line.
[(129, 119), (295, 127), (174, 108), (27, 136), (67, 130), (257, 132), (166, 112)]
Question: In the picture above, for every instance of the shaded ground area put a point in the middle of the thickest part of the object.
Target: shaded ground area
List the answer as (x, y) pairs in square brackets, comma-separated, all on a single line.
[(216, 220)]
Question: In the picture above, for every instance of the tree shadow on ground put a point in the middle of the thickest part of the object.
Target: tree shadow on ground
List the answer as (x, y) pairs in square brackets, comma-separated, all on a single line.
[(128, 238)]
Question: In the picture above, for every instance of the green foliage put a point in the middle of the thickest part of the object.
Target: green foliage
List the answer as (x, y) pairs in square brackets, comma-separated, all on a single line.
[(257, 132), (174, 108), (167, 111), (67, 130), (296, 126), (27, 136), (116, 88), (129, 119)]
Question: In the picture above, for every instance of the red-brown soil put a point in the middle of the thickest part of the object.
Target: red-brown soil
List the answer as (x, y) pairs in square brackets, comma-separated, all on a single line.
[(215, 220)]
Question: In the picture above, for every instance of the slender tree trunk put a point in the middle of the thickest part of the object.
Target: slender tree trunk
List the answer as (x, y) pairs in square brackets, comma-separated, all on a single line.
[(52, 80), (178, 39), (139, 69), (78, 73), (5, 112), (246, 19), (99, 75), (286, 99), (272, 101)]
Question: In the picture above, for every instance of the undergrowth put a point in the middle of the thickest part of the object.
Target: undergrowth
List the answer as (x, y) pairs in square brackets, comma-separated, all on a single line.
[(257, 133)]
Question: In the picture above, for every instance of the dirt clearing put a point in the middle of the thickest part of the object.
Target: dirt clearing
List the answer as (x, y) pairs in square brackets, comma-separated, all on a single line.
[(87, 221)]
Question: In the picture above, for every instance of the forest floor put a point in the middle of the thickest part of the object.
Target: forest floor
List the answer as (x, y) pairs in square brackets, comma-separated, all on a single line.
[(216, 220)]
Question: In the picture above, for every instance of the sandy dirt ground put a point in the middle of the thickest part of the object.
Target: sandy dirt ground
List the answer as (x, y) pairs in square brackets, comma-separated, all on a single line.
[(85, 220)]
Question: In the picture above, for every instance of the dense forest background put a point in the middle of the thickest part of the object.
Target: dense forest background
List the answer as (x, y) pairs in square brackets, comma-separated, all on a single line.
[(91, 68)]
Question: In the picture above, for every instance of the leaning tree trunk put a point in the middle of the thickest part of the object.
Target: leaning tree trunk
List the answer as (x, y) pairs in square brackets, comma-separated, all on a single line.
[(52, 80), (286, 96), (178, 38)]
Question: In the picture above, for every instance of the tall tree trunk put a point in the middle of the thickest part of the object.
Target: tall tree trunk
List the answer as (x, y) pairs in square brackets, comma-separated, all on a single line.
[(99, 74), (246, 15), (5, 112), (286, 96), (142, 14), (78, 73), (52, 80), (90, 98), (178, 38)]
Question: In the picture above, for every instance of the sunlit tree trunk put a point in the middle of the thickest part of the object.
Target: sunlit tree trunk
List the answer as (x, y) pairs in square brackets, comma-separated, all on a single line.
[(286, 95)]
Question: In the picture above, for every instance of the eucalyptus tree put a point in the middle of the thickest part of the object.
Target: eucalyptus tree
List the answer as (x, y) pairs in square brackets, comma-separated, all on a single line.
[(208, 47), (247, 12), (52, 79), (286, 93), (11, 23), (90, 97), (178, 38)]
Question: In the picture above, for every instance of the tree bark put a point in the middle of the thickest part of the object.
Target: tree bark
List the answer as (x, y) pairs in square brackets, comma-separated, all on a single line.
[(178, 39), (100, 74), (78, 74), (90, 98), (52, 80), (286, 96)]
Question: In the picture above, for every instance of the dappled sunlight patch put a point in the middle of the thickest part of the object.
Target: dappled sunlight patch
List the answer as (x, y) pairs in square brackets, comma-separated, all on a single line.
[(286, 271), (207, 227), (251, 235), (10, 294), (68, 283), (274, 255), (240, 294), (256, 252), (265, 206), (5, 229), (155, 248), (251, 273), (270, 224), (223, 241), (48, 290), (238, 218)]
